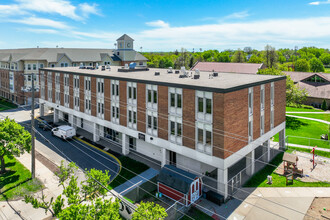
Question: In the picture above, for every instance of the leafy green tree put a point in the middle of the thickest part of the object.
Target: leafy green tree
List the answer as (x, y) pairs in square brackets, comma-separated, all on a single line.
[(73, 196), (14, 140), (255, 59), (238, 57), (149, 211), (294, 95), (302, 65), (281, 59), (324, 106), (270, 56), (316, 65), (325, 58)]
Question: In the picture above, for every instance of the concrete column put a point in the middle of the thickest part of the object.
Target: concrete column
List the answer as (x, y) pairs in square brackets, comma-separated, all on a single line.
[(71, 121), (96, 136), (266, 151), (55, 115), (282, 139), (223, 182), (42, 109), (125, 147), (163, 162), (250, 163)]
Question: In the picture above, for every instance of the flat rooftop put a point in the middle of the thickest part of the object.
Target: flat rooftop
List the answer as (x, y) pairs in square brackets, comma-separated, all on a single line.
[(224, 82)]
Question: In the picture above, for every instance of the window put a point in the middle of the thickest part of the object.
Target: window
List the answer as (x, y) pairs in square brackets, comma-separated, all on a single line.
[(152, 97), (152, 123), (204, 106), (115, 112), (76, 82), (115, 89), (250, 100), (87, 83), (34, 66), (272, 94), (131, 90), (29, 66), (88, 104), (175, 100), (250, 128), (131, 112), (100, 86), (204, 137), (52, 65), (41, 65), (175, 128), (262, 124), (262, 97), (100, 109)]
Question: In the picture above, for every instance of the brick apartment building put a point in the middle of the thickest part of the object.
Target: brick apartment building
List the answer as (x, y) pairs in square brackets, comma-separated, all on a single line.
[(17, 65), (198, 121)]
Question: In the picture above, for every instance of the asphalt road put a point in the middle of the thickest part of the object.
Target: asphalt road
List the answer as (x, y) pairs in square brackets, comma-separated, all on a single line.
[(86, 157)]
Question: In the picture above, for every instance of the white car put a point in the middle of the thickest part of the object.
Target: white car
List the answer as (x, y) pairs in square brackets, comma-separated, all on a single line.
[(64, 131)]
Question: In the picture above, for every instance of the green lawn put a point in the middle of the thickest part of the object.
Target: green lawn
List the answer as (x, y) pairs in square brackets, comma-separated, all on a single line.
[(325, 117), (317, 152), (133, 168), (17, 182), (304, 108), (4, 105), (327, 70), (305, 128), (260, 178)]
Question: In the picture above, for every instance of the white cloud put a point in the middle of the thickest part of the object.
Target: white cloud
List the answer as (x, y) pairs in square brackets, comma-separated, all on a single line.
[(61, 7), (41, 31), (44, 22), (237, 15), (158, 24), (87, 9), (319, 2)]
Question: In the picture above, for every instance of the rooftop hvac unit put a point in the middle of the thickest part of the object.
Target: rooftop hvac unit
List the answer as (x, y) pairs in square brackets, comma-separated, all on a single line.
[(157, 73), (108, 66), (177, 71), (196, 76), (215, 74), (170, 70), (103, 68), (126, 66), (132, 65), (197, 72), (81, 66), (97, 66)]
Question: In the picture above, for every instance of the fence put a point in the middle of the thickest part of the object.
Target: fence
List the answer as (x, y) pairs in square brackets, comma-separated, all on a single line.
[(243, 176), (312, 142)]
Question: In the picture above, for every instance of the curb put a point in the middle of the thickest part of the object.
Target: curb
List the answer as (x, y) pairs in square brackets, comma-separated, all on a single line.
[(111, 155)]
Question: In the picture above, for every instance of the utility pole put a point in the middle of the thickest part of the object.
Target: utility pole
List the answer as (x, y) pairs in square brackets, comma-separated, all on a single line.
[(33, 156)]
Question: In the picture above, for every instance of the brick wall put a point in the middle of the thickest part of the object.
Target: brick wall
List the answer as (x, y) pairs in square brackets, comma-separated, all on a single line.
[(107, 101), (93, 96), (188, 117), (280, 102), (71, 90), (81, 93), (267, 107), (141, 107), (235, 120), (218, 124), (123, 103), (256, 112), (163, 112)]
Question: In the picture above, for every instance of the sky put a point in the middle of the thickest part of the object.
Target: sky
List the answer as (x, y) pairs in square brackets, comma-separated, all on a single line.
[(158, 25)]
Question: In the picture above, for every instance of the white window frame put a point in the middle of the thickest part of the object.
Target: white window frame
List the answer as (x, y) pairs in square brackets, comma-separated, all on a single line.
[(262, 109), (88, 103), (131, 91), (203, 146), (204, 116), (175, 136), (42, 84), (152, 123), (50, 86), (132, 117), (250, 101), (176, 109), (153, 90), (272, 103), (115, 113)]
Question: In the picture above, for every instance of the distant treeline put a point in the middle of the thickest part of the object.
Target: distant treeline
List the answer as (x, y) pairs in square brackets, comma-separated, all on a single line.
[(305, 59)]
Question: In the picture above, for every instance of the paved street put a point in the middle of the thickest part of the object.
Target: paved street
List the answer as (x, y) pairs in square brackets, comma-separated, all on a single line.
[(82, 154)]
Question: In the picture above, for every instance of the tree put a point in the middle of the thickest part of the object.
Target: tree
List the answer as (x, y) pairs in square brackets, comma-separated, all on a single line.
[(270, 56), (316, 65), (294, 95), (149, 211), (74, 198), (247, 50), (255, 59), (238, 57), (302, 65), (324, 106), (14, 140), (325, 58)]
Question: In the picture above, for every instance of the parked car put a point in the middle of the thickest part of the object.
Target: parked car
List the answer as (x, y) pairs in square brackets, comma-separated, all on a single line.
[(64, 131), (45, 125)]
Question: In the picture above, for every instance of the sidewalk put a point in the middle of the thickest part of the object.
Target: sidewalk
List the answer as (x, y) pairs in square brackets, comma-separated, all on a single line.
[(312, 119), (277, 202), (136, 181)]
